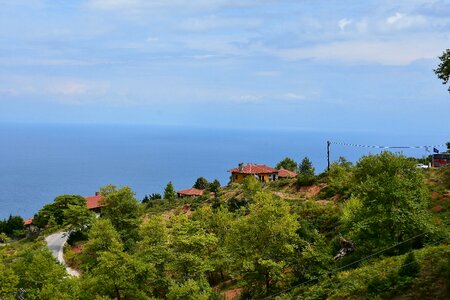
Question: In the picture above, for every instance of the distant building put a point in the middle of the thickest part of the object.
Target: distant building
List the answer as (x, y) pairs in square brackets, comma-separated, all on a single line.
[(283, 174), (441, 159), (192, 192), (95, 203), (29, 226), (262, 173)]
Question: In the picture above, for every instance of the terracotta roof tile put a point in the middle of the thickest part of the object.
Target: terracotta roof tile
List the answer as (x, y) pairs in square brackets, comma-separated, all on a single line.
[(254, 169), (94, 201), (191, 192), (283, 173), (27, 221)]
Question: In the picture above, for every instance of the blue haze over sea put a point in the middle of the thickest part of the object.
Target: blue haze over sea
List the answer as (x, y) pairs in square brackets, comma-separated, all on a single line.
[(40, 162)]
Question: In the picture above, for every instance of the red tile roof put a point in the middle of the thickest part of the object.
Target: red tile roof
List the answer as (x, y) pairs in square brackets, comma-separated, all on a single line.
[(27, 221), (254, 169), (283, 173), (191, 192), (94, 201)]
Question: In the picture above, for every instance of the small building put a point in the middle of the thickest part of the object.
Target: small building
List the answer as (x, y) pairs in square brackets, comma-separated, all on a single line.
[(283, 174), (192, 192), (29, 226), (95, 203), (441, 159), (262, 173)]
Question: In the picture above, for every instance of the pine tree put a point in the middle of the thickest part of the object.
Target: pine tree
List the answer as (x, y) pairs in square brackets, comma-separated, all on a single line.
[(169, 192)]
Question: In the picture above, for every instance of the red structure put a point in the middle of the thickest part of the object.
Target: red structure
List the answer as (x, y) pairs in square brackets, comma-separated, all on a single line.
[(192, 192), (283, 173), (441, 159), (95, 203)]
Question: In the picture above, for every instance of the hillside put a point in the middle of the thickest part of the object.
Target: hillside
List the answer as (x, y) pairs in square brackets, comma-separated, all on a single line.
[(378, 229)]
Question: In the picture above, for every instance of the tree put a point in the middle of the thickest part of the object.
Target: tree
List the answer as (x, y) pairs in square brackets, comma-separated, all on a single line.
[(155, 196), (12, 227), (122, 276), (287, 164), (42, 218), (191, 247), (251, 186), (62, 203), (107, 189), (410, 266), (8, 282), (124, 212), (38, 270), (306, 167), (264, 244), (389, 204), (201, 183), (154, 248), (78, 218), (443, 69), (169, 192), (101, 237), (214, 186)]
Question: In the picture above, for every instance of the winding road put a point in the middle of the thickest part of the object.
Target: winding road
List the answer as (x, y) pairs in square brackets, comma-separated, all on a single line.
[(56, 242)]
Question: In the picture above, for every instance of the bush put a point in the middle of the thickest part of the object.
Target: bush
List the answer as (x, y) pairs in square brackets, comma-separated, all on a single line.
[(410, 267), (305, 180)]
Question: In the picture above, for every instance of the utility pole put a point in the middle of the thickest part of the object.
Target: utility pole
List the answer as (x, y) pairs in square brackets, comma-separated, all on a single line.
[(328, 154)]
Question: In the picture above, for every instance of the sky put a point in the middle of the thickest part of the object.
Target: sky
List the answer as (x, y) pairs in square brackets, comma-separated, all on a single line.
[(264, 64)]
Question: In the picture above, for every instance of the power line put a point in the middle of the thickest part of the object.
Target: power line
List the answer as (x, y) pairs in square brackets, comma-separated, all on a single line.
[(352, 263), (385, 147)]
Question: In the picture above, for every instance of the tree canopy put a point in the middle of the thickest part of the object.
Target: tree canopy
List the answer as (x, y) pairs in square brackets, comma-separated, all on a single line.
[(389, 203), (201, 183), (443, 69), (169, 192), (288, 164)]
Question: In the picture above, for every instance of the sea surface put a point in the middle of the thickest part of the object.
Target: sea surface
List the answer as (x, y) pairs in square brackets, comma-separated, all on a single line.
[(40, 162)]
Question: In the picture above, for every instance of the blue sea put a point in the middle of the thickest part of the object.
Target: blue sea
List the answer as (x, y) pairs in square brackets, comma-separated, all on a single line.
[(40, 162)]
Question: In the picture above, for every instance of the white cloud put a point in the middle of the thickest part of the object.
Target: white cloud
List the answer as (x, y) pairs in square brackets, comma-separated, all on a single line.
[(343, 23), (398, 52), (395, 18), (403, 21), (294, 96)]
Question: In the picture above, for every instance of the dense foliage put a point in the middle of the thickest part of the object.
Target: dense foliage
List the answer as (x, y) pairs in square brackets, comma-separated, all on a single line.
[(443, 70), (287, 164)]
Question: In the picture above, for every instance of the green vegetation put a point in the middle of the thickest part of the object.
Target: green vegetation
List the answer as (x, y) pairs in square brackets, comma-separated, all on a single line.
[(169, 192), (387, 220), (287, 164), (443, 70)]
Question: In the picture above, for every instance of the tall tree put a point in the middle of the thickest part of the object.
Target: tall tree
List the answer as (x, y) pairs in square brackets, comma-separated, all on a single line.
[(201, 183), (264, 244), (214, 186), (101, 237), (443, 69), (389, 204), (62, 203), (124, 212), (306, 167), (169, 192), (78, 217), (287, 164)]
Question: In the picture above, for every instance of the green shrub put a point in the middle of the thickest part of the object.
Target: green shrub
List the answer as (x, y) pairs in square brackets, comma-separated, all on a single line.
[(410, 267), (305, 180)]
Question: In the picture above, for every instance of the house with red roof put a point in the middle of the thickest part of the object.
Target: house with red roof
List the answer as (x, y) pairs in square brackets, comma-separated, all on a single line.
[(284, 174), (262, 173), (95, 203), (192, 192)]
